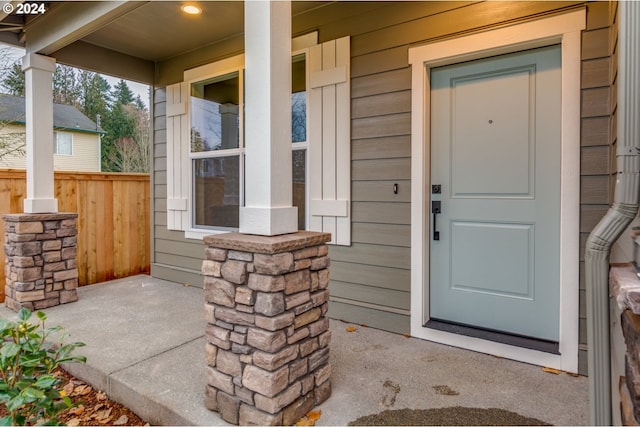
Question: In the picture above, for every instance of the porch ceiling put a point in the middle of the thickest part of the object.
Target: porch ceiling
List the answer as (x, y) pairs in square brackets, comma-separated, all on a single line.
[(150, 30), (95, 35), (158, 31)]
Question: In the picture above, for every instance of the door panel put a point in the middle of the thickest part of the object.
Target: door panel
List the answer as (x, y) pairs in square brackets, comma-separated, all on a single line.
[(495, 151), (503, 126), (510, 259)]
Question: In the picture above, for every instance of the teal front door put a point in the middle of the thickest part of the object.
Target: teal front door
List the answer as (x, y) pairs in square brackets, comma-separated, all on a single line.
[(495, 184)]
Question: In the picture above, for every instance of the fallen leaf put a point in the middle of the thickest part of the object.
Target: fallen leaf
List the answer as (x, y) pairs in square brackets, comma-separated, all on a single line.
[(121, 421), (573, 374), (305, 422), (351, 329), (364, 325), (73, 422), (101, 395), (82, 390), (102, 416), (406, 335), (186, 285), (78, 410), (314, 415), (68, 388), (551, 371)]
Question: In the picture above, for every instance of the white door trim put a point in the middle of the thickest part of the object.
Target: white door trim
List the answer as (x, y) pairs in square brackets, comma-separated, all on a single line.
[(565, 29)]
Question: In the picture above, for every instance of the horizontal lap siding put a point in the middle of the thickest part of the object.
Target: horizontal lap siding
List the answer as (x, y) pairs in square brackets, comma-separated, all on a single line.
[(597, 138), (377, 263), (371, 279), (85, 151), (175, 258)]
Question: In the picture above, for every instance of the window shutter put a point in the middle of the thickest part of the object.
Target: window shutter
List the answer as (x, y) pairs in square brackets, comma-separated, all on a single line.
[(330, 139), (178, 137)]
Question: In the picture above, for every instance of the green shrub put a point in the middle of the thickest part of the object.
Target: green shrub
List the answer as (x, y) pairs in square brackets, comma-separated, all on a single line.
[(28, 387)]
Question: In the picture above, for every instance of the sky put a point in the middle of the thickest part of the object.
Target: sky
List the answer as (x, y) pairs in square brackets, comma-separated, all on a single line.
[(15, 53)]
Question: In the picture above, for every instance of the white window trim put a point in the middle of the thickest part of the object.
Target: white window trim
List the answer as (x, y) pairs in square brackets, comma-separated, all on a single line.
[(220, 68), (306, 41), (565, 29), (305, 146), (195, 75)]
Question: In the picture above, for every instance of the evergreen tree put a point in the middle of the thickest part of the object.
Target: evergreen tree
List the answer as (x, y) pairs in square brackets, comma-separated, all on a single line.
[(95, 95), (13, 82), (125, 147), (118, 124), (66, 88), (140, 104), (122, 94)]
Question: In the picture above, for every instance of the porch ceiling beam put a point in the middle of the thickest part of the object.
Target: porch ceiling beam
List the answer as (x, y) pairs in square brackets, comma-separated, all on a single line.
[(10, 38), (101, 60), (70, 21)]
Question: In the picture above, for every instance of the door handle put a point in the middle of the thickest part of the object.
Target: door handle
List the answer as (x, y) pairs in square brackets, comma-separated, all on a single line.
[(435, 210)]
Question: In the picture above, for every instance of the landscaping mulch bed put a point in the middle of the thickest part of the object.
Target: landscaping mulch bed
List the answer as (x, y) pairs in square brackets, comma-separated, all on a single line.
[(452, 416), (93, 407)]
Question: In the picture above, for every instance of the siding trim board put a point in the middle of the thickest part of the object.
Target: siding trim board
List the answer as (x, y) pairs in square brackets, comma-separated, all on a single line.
[(566, 29)]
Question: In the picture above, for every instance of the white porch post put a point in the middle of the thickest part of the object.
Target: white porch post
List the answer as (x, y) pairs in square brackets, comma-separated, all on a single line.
[(39, 129), (268, 186)]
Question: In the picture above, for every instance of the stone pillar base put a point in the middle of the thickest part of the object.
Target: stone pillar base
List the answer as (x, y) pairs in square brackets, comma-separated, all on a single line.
[(267, 332), (40, 260)]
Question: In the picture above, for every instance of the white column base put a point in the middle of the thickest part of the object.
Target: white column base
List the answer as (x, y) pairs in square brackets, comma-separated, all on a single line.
[(270, 221), (40, 205)]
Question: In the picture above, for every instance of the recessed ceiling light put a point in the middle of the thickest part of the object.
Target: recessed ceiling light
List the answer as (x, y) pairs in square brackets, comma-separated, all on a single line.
[(191, 9)]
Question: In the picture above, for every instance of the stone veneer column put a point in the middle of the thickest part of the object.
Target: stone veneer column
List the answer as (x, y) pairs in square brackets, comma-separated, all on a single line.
[(40, 260), (267, 332), (624, 288)]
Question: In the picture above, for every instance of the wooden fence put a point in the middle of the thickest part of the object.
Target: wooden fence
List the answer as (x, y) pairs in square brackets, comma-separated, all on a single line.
[(113, 220)]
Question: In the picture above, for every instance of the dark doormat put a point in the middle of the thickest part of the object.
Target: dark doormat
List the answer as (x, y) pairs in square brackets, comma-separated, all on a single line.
[(453, 416)]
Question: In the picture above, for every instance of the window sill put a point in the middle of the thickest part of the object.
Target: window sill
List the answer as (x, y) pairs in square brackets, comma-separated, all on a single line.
[(196, 234)]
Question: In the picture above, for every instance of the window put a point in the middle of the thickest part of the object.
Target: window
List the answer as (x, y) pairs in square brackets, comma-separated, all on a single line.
[(63, 143), (205, 145), (216, 149), (216, 152), (299, 136)]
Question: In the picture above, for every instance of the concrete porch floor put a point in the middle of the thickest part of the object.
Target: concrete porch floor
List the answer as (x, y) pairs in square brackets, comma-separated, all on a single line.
[(145, 348)]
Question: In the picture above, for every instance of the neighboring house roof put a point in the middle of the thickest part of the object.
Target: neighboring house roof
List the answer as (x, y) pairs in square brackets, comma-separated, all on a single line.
[(65, 117)]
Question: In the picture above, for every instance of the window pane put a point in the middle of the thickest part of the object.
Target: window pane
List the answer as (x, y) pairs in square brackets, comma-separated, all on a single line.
[(62, 143), (214, 113), (299, 99), (217, 191), (299, 185)]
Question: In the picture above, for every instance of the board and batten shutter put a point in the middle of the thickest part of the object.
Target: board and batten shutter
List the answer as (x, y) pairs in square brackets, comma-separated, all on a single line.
[(178, 137), (330, 140)]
